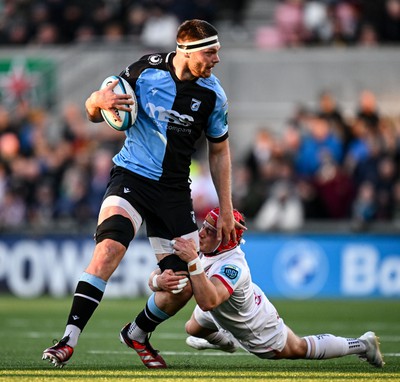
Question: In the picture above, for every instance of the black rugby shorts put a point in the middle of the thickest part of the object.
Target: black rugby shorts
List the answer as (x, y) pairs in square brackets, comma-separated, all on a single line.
[(166, 209)]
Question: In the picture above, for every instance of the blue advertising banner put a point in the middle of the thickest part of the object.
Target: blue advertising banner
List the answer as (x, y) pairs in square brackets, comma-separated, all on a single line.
[(284, 266), (325, 266)]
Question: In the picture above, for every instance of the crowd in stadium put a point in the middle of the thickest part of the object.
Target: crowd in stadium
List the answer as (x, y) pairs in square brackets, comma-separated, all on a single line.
[(323, 165), (292, 23)]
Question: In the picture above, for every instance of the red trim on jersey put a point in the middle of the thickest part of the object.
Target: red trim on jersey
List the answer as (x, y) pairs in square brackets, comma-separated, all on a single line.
[(227, 286)]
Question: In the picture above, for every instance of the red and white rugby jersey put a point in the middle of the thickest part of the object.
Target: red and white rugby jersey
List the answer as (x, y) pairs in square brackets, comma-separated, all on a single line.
[(247, 309)]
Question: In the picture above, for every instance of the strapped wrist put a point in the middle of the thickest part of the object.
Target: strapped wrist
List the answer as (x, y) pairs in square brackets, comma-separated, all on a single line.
[(195, 267), (154, 282)]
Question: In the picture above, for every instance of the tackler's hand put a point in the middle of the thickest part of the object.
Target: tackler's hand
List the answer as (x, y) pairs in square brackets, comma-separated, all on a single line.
[(169, 281)]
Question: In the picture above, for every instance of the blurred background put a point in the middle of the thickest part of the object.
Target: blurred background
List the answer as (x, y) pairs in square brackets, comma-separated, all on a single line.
[(314, 92)]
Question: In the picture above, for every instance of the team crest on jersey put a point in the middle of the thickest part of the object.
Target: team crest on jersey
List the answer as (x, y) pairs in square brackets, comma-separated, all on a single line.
[(195, 105), (232, 272), (155, 59)]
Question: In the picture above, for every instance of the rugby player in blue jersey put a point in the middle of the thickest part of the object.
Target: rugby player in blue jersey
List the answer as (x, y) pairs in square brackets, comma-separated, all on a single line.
[(179, 99)]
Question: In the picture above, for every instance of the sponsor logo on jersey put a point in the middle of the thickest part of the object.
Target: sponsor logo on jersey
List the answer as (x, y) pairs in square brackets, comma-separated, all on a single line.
[(232, 272), (170, 116), (155, 59), (195, 105)]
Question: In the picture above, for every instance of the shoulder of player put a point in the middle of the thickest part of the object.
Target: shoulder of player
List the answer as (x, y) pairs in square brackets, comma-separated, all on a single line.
[(154, 60), (233, 257)]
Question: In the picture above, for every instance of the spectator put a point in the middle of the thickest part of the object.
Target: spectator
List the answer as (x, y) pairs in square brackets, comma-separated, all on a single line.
[(317, 22), (12, 209), (347, 22), (318, 142), (329, 110), (368, 36), (259, 154), (384, 193), (74, 201), (289, 21), (159, 30), (396, 203), (335, 189), (203, 192), (42, 210), (389, 28), (368, 110), (136, 21), (282, 210), (364, 207)]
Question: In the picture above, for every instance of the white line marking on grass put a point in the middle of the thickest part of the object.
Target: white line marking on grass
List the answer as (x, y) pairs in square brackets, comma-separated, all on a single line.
[(206, 353), (216, 353), (167, 336)]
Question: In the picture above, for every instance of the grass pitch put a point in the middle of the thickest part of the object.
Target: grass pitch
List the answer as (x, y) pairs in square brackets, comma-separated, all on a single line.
[(28, 326)]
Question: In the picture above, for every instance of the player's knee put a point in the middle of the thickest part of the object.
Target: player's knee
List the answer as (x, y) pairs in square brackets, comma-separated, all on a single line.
[(117, 228), (186, 293), (190, 328)]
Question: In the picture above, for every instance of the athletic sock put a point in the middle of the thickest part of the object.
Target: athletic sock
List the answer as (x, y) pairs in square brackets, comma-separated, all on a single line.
[(324, 346), (147, 320), (219, 338), (87, 297), (73, 332)]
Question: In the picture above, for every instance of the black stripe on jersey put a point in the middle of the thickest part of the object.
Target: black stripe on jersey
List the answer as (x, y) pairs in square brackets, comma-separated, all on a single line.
[(219, 139)]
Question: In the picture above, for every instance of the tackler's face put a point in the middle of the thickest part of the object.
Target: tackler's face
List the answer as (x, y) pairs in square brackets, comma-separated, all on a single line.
[(208, 236), (203, 61)]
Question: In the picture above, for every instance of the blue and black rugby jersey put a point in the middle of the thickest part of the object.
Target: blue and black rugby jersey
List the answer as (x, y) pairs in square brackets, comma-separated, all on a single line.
[(172, 116)]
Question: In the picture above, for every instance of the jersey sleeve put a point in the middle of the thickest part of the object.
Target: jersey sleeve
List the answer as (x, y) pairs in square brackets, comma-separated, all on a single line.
[(217, 129), (229, 275)]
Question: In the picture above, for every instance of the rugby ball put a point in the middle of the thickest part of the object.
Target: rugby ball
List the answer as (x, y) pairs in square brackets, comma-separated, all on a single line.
[(127, 118)]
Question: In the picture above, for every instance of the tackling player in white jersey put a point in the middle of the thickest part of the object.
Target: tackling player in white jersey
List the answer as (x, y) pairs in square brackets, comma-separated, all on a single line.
[(232, 311)]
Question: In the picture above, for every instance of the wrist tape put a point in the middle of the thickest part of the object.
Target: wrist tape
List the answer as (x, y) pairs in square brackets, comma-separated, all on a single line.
[(154, 282), (195, 267)]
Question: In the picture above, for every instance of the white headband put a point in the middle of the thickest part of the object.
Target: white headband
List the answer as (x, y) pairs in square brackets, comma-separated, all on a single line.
[(194, 46)]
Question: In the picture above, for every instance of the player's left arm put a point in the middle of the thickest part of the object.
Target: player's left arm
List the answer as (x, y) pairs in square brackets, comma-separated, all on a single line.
[(220, 169)]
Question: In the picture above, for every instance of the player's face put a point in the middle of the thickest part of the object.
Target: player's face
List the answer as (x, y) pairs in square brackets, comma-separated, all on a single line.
[(202, 62), (208, 237)]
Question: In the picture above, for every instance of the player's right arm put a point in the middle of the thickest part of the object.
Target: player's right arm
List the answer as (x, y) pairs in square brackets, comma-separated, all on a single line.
[(106, 99), (209, 293)]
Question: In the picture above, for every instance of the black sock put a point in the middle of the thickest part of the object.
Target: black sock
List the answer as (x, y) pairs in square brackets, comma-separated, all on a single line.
[(147, 321), (86, 299)]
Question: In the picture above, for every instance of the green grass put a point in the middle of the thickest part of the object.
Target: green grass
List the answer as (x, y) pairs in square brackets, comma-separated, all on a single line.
[(28, 326)]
